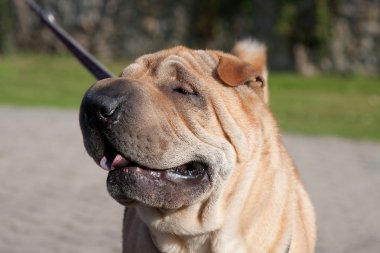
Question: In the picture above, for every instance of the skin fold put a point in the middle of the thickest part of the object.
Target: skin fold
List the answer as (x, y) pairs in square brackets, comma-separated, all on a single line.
[(195, 155)]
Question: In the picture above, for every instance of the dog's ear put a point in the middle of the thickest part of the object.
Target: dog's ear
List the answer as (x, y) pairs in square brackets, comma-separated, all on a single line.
[(233, 72), (254, 53)]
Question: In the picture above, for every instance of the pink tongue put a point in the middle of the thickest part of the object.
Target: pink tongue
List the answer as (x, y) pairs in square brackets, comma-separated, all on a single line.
[(117, 162)]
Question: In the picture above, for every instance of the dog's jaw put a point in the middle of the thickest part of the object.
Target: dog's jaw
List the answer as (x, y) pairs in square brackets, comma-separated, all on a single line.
[(149, 162), (251, 199), (164, 189)]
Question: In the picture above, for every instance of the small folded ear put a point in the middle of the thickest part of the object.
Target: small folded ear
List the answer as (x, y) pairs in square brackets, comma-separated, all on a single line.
[(233, 72), (254, 53)]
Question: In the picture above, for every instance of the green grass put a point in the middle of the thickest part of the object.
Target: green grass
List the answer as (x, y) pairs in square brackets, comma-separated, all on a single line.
[(327, 104), (43, 80)]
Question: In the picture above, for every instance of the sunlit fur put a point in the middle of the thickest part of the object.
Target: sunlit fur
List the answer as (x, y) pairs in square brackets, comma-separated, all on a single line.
[(257, 202)]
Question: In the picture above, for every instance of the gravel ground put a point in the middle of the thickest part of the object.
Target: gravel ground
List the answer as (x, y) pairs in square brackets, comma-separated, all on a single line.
[(53, 197)]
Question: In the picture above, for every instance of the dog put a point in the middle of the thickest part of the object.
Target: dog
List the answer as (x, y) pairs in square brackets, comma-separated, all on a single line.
[(194, 153)]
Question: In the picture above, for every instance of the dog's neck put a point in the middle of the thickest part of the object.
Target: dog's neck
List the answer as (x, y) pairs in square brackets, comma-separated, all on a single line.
[(216, 225), (259, 187), (173, 243)]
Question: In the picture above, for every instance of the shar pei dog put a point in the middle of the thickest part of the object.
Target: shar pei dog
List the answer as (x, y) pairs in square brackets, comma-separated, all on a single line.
[(195, 156)]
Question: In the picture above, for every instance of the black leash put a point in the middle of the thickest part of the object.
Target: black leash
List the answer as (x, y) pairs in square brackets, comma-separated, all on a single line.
[(47, 18)]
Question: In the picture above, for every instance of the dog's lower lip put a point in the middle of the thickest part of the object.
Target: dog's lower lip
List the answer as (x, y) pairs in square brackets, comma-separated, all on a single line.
[(190, 170)]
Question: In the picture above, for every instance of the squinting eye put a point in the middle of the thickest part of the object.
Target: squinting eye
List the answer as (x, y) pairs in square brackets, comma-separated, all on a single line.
[(184, 89)]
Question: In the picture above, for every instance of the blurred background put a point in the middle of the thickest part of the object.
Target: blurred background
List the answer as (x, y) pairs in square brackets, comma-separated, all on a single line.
[(324, 81), (308, 36), (324, 55)]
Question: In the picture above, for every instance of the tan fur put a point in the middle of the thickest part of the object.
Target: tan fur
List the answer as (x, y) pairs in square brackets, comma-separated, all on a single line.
[(254, 53), (257, 203)]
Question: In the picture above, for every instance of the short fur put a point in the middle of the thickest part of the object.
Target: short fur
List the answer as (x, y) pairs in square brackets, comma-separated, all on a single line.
[(252, 200)]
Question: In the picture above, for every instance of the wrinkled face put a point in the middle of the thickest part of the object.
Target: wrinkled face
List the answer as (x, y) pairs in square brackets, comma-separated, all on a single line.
[(169, 130)]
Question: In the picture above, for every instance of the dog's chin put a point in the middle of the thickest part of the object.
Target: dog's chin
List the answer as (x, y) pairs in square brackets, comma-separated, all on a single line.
[(160, 188)]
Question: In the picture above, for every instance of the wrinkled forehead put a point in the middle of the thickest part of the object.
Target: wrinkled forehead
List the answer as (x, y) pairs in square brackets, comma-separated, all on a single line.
[(171, 61)]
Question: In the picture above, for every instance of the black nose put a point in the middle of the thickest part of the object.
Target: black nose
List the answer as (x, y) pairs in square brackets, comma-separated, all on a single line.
[(101, 105)]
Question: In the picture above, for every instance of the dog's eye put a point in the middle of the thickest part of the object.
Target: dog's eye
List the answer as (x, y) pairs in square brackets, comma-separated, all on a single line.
[(185, 90)]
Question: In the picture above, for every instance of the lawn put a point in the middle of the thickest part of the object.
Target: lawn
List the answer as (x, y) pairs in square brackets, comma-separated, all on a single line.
[(346, 106), (43, 80), (328, 104)]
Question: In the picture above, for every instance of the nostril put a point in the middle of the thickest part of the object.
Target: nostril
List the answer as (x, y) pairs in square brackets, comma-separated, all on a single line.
[(100, 110), (104, 103), (107, 112)]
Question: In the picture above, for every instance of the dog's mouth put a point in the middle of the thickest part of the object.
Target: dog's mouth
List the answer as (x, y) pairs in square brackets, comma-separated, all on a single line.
[(112, 160), (188, 171), (129, 182)]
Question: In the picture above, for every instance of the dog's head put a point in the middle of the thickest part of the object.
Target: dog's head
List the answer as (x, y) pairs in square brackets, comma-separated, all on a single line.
[(176, 124)]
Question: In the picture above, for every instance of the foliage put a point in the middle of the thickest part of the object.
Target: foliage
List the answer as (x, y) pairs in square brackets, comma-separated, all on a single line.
[(305, 35), (5, 23), (306, 21), (209, 18)]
